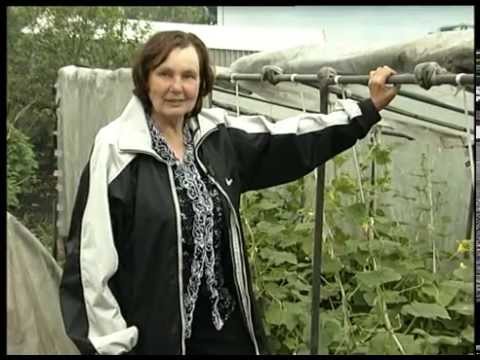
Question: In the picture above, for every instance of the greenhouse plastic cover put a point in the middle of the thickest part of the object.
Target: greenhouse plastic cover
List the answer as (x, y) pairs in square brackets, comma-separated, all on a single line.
[(34, 324), (453, 50)]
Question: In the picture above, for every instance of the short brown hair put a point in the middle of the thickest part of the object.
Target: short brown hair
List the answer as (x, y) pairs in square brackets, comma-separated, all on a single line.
[(156, 50)]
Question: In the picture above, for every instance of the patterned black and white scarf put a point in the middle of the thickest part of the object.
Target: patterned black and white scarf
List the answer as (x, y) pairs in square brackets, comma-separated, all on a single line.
[(201, 214)]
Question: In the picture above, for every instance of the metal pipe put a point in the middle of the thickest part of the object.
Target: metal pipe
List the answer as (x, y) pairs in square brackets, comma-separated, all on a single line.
[(441, 79), (317, 245), (407, 94), (409, 114)]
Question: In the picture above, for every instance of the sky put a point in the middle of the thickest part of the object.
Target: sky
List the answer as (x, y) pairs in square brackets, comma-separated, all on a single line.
[(383, 25)]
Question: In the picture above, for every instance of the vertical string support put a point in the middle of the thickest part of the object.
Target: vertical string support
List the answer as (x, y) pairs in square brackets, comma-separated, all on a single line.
[(323, 76), (470, 143), (237, 103), (354, 151)]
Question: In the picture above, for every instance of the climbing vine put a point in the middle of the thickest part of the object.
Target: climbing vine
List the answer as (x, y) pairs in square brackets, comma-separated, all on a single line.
[(382, 291)]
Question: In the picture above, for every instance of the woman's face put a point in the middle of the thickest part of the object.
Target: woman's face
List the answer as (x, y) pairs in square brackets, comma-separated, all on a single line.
[(173, 86)]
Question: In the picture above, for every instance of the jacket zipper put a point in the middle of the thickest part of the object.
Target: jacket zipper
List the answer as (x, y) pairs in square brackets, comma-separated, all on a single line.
[(180, 253), (245, 298)]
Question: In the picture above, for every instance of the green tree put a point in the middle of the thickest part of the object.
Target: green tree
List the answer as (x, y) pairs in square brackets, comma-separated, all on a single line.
[(40, 41), (186, 14)]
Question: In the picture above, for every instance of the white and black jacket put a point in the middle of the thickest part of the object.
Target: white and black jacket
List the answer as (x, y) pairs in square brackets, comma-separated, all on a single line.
[(121, 290)]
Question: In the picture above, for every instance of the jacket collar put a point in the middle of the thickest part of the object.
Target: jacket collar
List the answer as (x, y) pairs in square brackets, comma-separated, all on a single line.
[(134, 133)]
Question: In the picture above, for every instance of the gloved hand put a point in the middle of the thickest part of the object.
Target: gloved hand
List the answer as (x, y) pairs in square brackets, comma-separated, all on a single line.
[(425, 73)]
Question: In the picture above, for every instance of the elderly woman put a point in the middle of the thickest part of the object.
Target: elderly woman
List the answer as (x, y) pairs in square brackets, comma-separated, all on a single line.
[(156, 260)]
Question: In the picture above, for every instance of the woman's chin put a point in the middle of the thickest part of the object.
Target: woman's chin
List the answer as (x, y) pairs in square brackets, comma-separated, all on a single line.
[(174, 113)]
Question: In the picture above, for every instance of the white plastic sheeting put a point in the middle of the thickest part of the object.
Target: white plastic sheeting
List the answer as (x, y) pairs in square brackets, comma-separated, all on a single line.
[(34, 323), (87, 99), (452, 50)]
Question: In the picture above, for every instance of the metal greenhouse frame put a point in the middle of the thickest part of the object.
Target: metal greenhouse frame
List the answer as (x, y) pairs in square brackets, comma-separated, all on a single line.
[(324, 80)]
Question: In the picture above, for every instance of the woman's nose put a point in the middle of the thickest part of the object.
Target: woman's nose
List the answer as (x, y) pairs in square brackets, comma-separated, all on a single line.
[(176, 84)]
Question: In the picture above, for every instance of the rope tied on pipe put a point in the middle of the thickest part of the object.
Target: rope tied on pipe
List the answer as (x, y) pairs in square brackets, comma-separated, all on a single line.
[(326, 75), (426, 72), (270, 72)]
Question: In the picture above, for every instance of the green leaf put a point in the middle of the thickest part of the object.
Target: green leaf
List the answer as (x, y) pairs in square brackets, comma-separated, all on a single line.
[(425, 275), (430, 290), (381, 344), (466, 287), (412, 263), (387, 247), (292, 312), (425, 310), (402, 268), (331, 265), (394, 297), (356, 212), (467, 334), (330, 331), (329, 290), (446, 293), (290, 343), (274, 274), (304, 227), (462, 308), (276, 291), (265, 204), (351, 246), (410, 344), (344, 184), (272, 230), (464, 273), (278, 257), (378, 277), (382, 156), (295, 283), (276, 315), (370, 297), (339, 160)]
